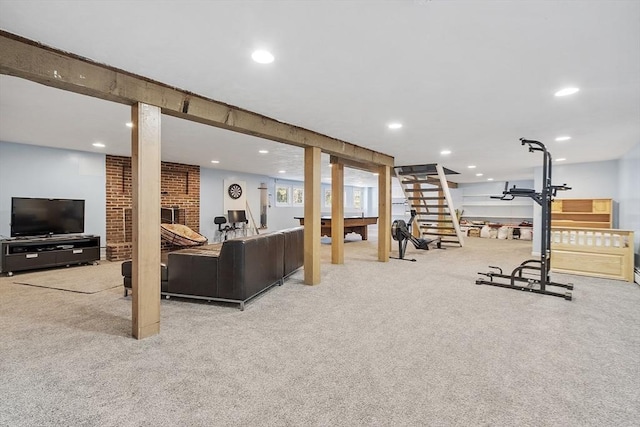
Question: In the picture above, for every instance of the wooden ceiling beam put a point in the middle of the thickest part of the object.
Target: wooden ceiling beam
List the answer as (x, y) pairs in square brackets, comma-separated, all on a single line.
[(33, 61), (353, 164)]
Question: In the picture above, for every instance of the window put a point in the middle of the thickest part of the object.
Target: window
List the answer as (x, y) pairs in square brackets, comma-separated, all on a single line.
[(298, 196), (283, 196), (327, 197)]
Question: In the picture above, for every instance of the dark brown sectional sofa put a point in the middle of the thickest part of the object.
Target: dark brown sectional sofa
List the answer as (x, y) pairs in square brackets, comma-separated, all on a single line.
[(233, 271)]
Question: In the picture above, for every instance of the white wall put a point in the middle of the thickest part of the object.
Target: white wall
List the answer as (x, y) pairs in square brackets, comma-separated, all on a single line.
[(629, 195), (475, 199), (34, 171), (31, 171), (212, 199), (278, 217), (594, 180)]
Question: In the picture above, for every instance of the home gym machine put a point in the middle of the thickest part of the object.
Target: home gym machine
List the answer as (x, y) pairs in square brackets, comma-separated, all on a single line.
[(517, 280), (400, 231)]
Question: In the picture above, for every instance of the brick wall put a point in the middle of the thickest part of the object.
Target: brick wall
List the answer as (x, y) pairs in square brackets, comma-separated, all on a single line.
[(180, 186)]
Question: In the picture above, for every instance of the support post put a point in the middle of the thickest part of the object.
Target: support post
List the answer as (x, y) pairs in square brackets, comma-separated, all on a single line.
[(145, 177), (312, 215), (415, 227), (384, 213), (337, 213)]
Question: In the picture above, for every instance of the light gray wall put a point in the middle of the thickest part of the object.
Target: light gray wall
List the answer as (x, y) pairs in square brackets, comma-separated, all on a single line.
[(594, 180), (35, 171), (212, 198), (278, 217), (32, 171), (629, 195), (475, 199)]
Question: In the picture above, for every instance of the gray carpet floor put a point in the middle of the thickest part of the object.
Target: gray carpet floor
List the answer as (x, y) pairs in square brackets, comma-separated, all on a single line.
[(375, 344), (86, 279)]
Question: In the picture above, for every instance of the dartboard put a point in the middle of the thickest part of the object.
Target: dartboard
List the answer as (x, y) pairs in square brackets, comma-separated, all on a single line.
[(235, 191)]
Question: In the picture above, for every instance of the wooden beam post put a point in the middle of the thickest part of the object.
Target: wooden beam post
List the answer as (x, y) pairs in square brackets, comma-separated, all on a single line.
[(415, 227), (145, 178), (337, 213), (312, 215), (384, 213)]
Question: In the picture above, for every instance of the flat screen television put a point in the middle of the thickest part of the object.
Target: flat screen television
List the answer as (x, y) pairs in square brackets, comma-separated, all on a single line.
[(36, 217)]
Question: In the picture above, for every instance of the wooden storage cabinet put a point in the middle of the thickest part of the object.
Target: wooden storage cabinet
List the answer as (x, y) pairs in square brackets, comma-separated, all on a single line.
[(30, 254), (589, 213)]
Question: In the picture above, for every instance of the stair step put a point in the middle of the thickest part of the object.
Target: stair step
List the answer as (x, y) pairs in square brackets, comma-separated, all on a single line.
[(426, 233), (436, 228), (422, 181), (434, 215), (417, 190), (429, 206)]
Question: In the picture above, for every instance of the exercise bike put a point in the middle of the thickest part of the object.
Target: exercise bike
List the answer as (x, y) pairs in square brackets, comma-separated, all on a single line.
[(400, 231)]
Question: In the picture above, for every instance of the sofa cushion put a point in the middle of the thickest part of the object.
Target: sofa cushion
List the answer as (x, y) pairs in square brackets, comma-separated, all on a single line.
[(193, 272), (250, 264), (213, 249), (293, 249), (127, 272)]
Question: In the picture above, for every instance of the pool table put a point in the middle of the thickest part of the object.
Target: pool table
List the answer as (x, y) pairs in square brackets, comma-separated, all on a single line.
[(352, 224)]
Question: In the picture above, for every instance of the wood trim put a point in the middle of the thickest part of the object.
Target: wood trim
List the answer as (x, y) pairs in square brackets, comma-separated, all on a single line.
[(145, 179), (593, 252), (384, 213), (33, 61), (353, 164), (312, 215), (337, 213)]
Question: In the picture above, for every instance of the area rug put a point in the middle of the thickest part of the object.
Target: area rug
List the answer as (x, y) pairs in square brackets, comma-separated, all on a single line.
[(85, 279)]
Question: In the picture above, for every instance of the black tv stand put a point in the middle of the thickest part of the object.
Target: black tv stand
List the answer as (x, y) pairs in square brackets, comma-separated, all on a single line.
[(32, 253)]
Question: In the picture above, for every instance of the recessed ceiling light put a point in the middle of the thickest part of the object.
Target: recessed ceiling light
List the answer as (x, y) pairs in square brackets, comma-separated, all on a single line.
[(394, 125), (98, 144), (567, 91), (262, 57), (562, 159), (445, 152), (215, 161), (376, 174), (129, 124), (263, 151), (471, 166), (283, 171), (479, 174), (563, 138), (489, 179)]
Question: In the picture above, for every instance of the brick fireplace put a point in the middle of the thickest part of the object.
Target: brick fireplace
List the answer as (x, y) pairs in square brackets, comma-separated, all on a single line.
[(180, 187)]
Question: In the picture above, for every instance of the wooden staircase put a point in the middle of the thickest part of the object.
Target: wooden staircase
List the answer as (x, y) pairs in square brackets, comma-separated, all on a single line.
[(427, 190)]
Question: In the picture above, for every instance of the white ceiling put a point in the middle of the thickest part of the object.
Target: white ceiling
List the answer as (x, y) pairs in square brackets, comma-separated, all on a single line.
[(469, 76)]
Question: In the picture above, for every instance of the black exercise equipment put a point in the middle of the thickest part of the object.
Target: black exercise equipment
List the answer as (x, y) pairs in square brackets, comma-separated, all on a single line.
[(219, 221), (235, 220), (400, 231), (516, 279)]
